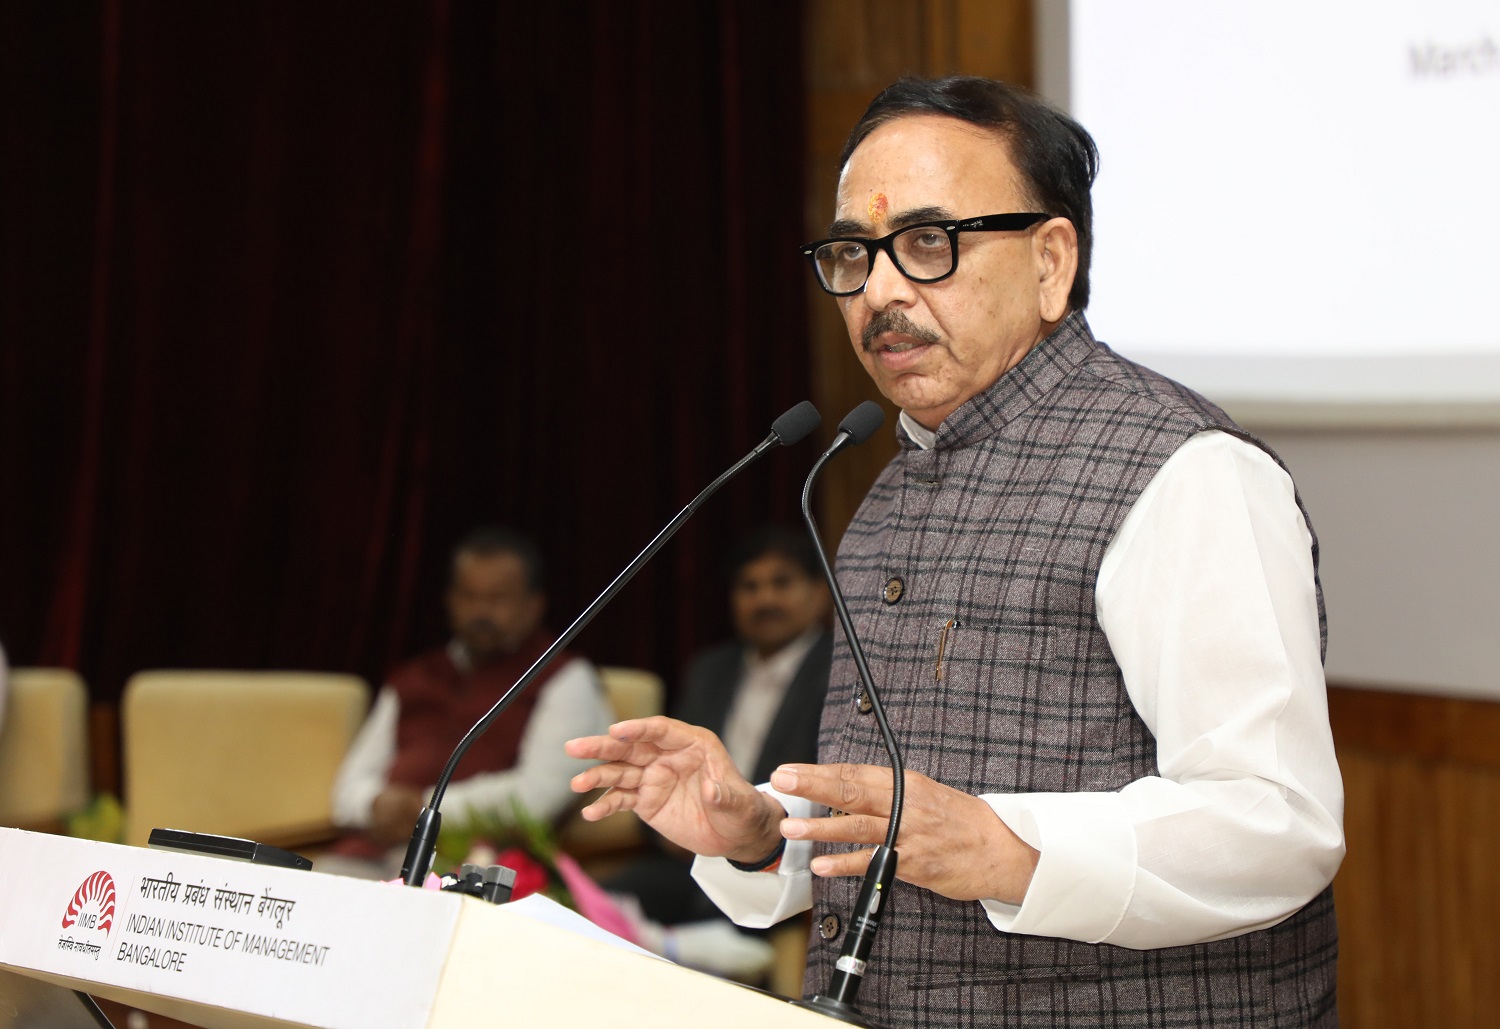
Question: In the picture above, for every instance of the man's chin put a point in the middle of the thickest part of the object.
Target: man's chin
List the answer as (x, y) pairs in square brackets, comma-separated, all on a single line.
[(910, 391), (483, 652), (768, 645)]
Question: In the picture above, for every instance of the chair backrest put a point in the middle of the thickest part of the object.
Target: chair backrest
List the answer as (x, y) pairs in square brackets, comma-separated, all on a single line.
[(250, 754), (633, 692), (43, 747)]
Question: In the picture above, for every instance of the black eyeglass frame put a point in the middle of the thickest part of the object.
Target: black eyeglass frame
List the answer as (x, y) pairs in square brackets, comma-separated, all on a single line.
[(984, 223)]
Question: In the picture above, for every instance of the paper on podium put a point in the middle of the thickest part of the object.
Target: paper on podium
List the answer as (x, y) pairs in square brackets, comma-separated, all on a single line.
[(549, 912)]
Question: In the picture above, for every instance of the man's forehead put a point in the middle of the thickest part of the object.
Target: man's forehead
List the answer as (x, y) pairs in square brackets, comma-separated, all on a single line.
[(768, 565), (474, 567), (892, 220), (921, 163)]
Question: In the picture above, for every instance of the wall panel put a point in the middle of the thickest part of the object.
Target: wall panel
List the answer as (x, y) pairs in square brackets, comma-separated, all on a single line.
[(854, 49), (1418, 895)]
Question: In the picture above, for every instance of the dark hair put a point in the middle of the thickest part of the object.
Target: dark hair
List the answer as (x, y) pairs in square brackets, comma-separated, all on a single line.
[(779, 540), (498, 539), (1054, 154)]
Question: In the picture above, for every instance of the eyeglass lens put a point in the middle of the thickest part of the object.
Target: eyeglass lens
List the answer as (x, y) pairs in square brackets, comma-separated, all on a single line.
[(923, 252)]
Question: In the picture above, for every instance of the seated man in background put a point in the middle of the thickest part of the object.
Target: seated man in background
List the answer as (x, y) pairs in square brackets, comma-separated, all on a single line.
[(496, 602), (761, 692)]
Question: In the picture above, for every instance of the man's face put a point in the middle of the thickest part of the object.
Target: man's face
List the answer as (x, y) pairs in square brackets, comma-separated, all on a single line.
[(491, 609), (930, 347), (773, 601)]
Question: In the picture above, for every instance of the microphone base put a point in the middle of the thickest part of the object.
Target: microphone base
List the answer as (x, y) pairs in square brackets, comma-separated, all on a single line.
[(839, 1009), (423, 845)]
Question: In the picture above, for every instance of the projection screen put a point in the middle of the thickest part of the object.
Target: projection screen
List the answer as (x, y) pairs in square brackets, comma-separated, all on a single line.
[(1298, 202)]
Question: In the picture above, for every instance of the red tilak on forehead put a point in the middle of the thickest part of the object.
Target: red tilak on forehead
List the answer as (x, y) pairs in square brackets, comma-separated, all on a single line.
[(877, 208)]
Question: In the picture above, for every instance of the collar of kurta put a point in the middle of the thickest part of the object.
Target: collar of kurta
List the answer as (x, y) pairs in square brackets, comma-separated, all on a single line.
[(1043, 368)]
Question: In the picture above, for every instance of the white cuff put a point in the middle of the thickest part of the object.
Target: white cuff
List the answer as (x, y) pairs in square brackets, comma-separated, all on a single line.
[(1086, 873), (758, 900)]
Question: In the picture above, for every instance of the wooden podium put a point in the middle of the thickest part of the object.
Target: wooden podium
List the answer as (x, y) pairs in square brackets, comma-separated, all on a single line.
[(220, 943)]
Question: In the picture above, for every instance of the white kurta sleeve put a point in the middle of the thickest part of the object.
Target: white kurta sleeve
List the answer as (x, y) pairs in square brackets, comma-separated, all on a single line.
[(362, 774), (1207, 597), (572, 704)]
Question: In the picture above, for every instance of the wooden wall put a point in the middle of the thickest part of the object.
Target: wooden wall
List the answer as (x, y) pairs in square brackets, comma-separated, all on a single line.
[(854, 49), (1419, 893)]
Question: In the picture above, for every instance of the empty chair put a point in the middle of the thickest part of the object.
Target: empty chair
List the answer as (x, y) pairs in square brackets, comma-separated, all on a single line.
[(43, 748), (633, 693), (249, 754)]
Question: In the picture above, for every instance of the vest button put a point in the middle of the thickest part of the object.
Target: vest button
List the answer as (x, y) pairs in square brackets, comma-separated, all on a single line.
[(862, 700), (894, 587), (829, 927)]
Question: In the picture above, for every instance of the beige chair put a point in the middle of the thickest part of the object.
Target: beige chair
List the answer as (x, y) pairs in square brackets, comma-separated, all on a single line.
[(633, 693), (250, 754), (43, 748)]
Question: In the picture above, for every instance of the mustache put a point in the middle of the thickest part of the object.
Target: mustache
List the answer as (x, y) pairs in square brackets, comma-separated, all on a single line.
[(894, 321)]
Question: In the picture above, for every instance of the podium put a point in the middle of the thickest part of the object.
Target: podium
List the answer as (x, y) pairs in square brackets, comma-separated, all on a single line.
[(220, 943)]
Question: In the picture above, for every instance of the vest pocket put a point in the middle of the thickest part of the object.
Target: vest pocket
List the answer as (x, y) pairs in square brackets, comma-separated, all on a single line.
[(1020, 707), (971, 646), (1003, 959), (1084, 972)]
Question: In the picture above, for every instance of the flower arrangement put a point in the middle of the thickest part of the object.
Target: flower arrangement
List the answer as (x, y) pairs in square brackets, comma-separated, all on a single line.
[(520, 841), (528, 846)]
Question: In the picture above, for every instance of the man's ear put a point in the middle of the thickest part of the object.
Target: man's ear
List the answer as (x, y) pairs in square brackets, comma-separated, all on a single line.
[(1056, 249), (537, 605)]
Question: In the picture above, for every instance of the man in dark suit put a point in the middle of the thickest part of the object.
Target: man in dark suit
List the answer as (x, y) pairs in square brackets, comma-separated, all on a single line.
[(762, 693)]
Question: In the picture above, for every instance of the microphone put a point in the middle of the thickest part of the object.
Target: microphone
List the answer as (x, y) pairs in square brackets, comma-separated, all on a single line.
[(880, 877), (790, 428)]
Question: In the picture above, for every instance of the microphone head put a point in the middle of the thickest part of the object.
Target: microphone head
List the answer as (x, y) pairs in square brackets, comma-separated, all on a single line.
[(797, 423), (862, 422)]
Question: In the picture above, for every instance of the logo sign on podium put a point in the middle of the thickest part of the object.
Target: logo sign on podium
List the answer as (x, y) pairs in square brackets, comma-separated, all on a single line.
[(313, 948)]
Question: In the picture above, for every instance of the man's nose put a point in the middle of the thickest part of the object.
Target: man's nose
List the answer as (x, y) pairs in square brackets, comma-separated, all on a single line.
[(886, 286)]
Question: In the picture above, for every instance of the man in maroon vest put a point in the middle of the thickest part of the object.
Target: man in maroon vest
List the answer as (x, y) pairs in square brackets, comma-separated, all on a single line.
[(1090, 603), (496, 602)]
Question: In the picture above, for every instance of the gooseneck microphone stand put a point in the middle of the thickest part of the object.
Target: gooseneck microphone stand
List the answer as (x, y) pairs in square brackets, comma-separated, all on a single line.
[(880, 876), (786, 430)]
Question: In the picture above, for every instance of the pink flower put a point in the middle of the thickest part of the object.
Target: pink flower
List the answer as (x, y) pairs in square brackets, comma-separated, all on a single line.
[(593, 903)]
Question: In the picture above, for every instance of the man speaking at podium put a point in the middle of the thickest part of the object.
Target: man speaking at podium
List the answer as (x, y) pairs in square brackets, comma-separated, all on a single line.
[(1091, 606)]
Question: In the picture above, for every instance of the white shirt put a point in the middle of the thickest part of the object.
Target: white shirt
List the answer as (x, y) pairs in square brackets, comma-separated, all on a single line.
[(571, 704), (1206, 596), (757, 700)]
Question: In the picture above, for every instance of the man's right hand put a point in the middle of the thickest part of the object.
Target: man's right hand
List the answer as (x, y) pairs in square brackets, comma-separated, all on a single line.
[(679, 779)]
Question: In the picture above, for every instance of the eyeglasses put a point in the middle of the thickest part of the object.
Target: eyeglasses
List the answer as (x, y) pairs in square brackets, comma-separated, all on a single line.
[(923, 253)]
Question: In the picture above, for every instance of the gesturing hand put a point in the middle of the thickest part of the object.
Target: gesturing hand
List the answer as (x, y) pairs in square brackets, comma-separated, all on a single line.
[(950, 842), (679, 779)]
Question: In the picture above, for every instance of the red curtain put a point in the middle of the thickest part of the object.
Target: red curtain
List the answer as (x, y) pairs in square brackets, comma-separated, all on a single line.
[(292, 296)]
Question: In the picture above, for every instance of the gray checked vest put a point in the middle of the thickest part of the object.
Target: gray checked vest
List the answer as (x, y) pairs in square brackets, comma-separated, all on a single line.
[(1001, 528)]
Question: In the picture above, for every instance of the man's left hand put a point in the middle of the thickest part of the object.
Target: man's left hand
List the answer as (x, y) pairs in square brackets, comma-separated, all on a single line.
[(950, 842)]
